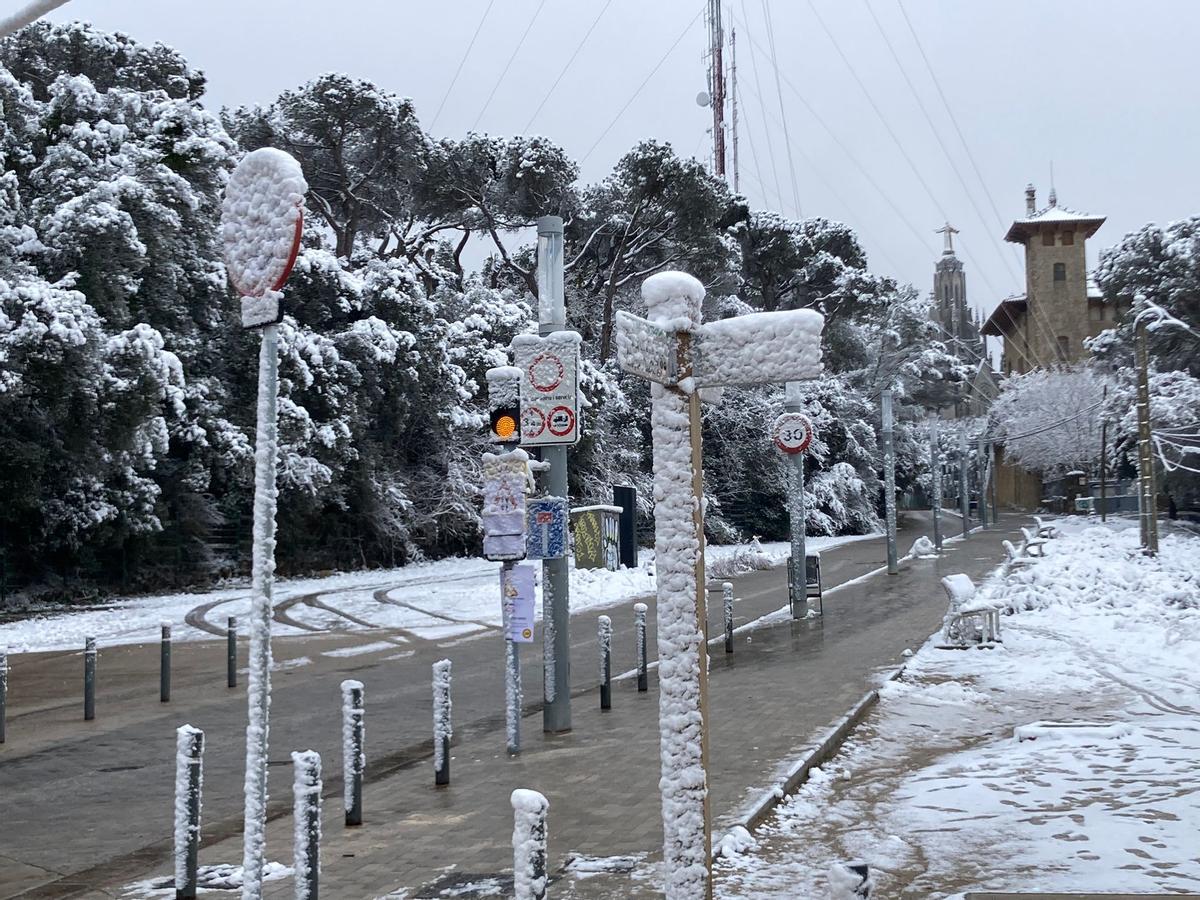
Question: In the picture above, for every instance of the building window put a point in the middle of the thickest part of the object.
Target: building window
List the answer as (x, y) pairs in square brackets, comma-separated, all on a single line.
[(1096, 310), (1068, 238), (1047, 238), (1060, 271), (1064, 346)]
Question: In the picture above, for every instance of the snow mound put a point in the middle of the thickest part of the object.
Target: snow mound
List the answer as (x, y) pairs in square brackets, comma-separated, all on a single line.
[(923, 548), (260, 218), (673, 300)]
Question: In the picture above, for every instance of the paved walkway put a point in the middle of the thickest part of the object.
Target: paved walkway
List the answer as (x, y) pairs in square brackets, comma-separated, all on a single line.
[(62, 784)]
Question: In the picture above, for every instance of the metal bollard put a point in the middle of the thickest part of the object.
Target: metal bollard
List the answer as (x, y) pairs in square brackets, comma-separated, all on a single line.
[(164, 665), (605, 638), (231, 652), (89, 679), (354, 757), (529, 845), (3, 689), (639, 630), (306, 818), (727, 590), (442, 726), (189, 782)]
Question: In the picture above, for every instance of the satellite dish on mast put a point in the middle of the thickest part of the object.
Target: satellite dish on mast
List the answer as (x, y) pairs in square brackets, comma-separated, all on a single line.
[(703, 99)]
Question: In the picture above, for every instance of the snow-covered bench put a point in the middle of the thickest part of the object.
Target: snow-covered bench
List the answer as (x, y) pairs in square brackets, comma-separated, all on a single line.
[(1034, 545), (1044, 530), (1016, 559), (969, 621)]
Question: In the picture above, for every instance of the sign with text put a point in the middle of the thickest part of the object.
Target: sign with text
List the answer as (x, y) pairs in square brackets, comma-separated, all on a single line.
[(517, 595), (549, 388), (546, 528)]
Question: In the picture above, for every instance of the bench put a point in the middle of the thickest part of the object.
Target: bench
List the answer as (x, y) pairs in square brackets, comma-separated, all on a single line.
[(1016, 559), (1044, 530), (1034, 545), (969, 621)]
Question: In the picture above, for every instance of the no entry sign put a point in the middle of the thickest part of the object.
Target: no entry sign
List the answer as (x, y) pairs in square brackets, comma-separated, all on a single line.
[(792, 432), (549, 388)]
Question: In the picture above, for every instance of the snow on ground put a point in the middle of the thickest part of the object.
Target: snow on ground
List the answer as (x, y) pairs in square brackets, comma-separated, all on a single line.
[(431, 601), (938, 793)]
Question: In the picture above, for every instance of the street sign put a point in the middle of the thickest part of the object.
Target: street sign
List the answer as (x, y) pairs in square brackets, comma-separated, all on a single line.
[(549, 392), (546, 528), (505, 480), (645, 349), (792, 432), (517, 595)]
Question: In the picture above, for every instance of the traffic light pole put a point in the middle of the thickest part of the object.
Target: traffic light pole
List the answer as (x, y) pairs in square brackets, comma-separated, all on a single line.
[(556, 586)]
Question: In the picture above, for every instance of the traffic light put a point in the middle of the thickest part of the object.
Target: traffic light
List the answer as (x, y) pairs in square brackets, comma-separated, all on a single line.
[(505, 422), (504, 404)]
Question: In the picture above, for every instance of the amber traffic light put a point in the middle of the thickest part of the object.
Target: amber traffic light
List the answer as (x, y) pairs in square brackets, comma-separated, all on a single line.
[(505, 422)]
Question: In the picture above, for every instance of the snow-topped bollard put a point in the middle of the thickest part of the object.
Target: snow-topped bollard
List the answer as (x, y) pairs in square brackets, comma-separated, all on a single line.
[(442, 728), (231, 652), (604, 638), (189, 784), (164, 665), (727, 597), (849, 881), (306, 828), (89, 679), (639, 640), (683, 358), (3, 690), (354, 756), (529, 844)]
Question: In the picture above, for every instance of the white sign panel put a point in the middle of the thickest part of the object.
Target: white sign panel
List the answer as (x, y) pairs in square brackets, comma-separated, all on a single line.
[(792, 432), (549, 388), (517, 595), (504, 484)]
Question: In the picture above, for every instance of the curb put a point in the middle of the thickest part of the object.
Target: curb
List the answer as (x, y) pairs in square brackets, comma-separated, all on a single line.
[(830, 742)]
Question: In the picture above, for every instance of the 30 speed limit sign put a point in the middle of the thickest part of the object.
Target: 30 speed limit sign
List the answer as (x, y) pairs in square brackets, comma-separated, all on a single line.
[(792, 432)]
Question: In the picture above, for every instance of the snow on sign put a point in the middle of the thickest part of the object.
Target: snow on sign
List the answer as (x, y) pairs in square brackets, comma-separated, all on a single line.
[(549, 387), (546, 528), (504, 482), (792, 432)]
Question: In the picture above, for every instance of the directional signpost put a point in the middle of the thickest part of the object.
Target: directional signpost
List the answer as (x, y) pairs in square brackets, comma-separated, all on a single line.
[(679, 355)]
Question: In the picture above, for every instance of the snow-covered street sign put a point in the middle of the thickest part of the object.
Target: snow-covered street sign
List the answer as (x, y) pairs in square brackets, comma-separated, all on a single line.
[(261, 219), (505, 479), (792, 432), (679, 355), (546, 528), (549, 387)]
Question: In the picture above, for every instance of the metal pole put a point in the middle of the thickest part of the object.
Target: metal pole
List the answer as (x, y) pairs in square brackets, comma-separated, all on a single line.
[(727, 596), (306, 814), (354, 757), (89, 679), (984, 471), (231, 652), (889, 482), (995, 507), (3, 690), (1148, 494), (512, 674), (189, 780), (639, 638), (935, 469), (164, 665), (556, 587), (797, 594), (604, 637), (258, 689), (529, 844), (964, 499), (442, 725), (1104, 466)]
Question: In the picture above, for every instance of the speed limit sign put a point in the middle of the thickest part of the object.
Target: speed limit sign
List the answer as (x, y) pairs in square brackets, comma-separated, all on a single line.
[(792, 432)]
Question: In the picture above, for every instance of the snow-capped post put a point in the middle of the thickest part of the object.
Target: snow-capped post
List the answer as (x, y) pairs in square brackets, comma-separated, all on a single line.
[(189, 785), (231, 652), (849, 881), (442, 725), (727, 597), (3, 690), (164, 665), (964, 499), (89, 679), (792, 433), (889, 480), (604, 639), (354, 754), (680, 357), (529, 844), (306, 824), (935, 475), (262, 218), (639, 641)]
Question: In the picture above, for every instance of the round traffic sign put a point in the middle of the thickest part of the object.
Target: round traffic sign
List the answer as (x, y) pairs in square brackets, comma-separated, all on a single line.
[(546, 372), (533, 422), (261, 220), (792, 432), (561, 421)]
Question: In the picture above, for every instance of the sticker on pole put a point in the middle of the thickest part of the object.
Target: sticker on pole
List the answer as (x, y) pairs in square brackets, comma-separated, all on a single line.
[(262, 218), (792, 432), (517, 595), (549, 388)]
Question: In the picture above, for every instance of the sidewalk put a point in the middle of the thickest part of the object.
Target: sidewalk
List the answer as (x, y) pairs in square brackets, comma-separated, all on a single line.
[(783, 683)]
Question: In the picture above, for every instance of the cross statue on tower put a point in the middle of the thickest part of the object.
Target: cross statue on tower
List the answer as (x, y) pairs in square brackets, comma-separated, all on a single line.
[(949, 231)]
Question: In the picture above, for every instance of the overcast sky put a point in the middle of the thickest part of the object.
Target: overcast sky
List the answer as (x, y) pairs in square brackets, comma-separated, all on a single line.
[(1104, 89)]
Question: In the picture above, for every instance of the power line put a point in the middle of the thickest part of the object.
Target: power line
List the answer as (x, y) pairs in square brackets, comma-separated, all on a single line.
[(587, 34), (787, 139), (462, 62), (762, 108), (508, 65), (641, 87)]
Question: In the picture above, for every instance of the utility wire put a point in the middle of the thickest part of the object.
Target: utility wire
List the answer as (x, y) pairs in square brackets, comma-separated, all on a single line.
[(508, 65), (787, 139), (641, 87), (587, 34), (462, 62), (762, 108)]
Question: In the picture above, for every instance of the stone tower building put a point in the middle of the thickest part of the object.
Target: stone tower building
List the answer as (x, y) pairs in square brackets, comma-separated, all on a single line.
[(959, 330)]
